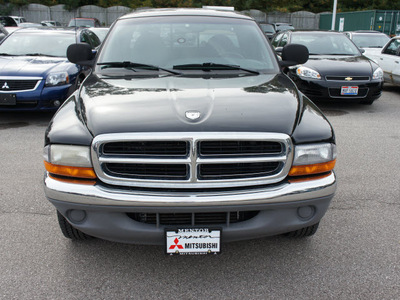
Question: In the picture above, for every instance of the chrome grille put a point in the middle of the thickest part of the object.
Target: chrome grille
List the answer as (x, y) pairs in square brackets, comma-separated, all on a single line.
[(192, 159)]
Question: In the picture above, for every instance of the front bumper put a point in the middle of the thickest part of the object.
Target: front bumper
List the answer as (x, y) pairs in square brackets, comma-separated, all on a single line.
[(323, 89), (42, 98), (103, 212)]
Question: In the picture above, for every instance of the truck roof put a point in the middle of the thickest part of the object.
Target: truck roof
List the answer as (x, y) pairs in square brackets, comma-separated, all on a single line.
[(185, 12)]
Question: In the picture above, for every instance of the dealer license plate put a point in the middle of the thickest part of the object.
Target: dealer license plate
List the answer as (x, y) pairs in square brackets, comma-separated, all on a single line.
[(193, 241), (349, 90), (8, 99)]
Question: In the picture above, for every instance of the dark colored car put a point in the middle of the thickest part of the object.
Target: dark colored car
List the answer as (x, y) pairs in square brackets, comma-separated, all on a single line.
[(336, 68), (282, 26), (268, 29), (188, 134), (8, 21), (34, 71), (84, 22)]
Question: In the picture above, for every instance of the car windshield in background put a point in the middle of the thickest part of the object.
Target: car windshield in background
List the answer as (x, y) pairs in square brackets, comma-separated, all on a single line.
[(169, 42), (37, 43), (325, 43), (370, 40), (267, 28)]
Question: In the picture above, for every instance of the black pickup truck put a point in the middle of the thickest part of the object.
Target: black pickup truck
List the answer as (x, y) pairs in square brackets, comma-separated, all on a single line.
[(188, 134)]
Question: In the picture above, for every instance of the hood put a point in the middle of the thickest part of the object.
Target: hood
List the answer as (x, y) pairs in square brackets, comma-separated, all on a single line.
[(131, 104), (340, 65), (28, 65)]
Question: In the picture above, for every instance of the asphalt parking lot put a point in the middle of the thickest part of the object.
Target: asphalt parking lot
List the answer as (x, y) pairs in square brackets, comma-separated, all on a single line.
[(354, 255)]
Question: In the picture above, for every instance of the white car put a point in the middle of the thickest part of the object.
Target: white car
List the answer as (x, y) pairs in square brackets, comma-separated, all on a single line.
[(370, 41), (389, 60), (18, 20)]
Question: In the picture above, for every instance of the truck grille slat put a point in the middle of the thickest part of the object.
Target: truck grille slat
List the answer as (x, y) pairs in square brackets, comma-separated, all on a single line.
[(162, 148), (192, 160), (167, 172), (239, 170), (239, 148)]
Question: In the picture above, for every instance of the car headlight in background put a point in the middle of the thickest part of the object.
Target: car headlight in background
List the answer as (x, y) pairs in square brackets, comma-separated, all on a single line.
[(378, 74), (305, 72), (69, 161), (54, 79), (313, 159)]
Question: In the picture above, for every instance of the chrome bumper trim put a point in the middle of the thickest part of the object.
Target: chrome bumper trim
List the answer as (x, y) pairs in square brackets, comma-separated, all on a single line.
[(100, 195)]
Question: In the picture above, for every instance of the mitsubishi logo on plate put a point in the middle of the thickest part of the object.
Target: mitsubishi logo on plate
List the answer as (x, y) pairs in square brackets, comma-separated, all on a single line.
[(5, 86), (348, 79), (192, 115)]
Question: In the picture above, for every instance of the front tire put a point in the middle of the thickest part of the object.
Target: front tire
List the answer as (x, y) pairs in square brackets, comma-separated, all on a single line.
[(69, 231), (303, 232)]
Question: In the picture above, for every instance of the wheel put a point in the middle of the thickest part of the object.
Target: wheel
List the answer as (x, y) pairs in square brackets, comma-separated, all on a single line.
[(69, 231), (303, 232)]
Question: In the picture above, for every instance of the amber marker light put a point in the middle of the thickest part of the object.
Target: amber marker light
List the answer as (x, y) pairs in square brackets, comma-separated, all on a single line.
[(75, 181), (312, 169), (77, 172)]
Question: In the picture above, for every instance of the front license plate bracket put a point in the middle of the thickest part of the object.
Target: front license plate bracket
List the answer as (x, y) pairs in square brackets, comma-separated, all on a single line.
[(193, 241), (8, 99)]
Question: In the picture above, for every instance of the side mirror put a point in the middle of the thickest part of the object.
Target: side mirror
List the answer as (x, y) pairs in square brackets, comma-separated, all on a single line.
[(294, 54), (362, 50), (81, 54)]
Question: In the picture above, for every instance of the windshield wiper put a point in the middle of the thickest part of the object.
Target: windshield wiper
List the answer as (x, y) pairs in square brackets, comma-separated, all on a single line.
[(6, 54), (131, 66), (213, 66)]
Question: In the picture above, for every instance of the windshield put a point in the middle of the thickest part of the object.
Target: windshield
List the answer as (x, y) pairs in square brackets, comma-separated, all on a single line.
[(43, 43), (370, 40), (267, 27), (325, 43), (175, 41)]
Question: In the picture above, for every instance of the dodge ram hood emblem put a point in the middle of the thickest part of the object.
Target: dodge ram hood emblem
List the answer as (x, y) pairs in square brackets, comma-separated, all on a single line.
[(192, 115)]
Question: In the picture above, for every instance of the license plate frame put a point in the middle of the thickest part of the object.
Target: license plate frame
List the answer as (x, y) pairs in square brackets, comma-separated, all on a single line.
[(8, 99), (349, 91), (193, 241)]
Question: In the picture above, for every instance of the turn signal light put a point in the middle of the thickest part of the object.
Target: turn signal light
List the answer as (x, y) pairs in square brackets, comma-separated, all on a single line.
[(77, 172), (312, 169)]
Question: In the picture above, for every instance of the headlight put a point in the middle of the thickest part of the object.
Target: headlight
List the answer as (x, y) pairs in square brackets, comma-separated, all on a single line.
[(57, 79), (307, 73), (70, 161), (378, 74), (313, 159)]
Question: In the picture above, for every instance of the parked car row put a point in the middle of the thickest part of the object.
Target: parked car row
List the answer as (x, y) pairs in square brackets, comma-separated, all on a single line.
[(336, 68), (16, 21), (34, 71)]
